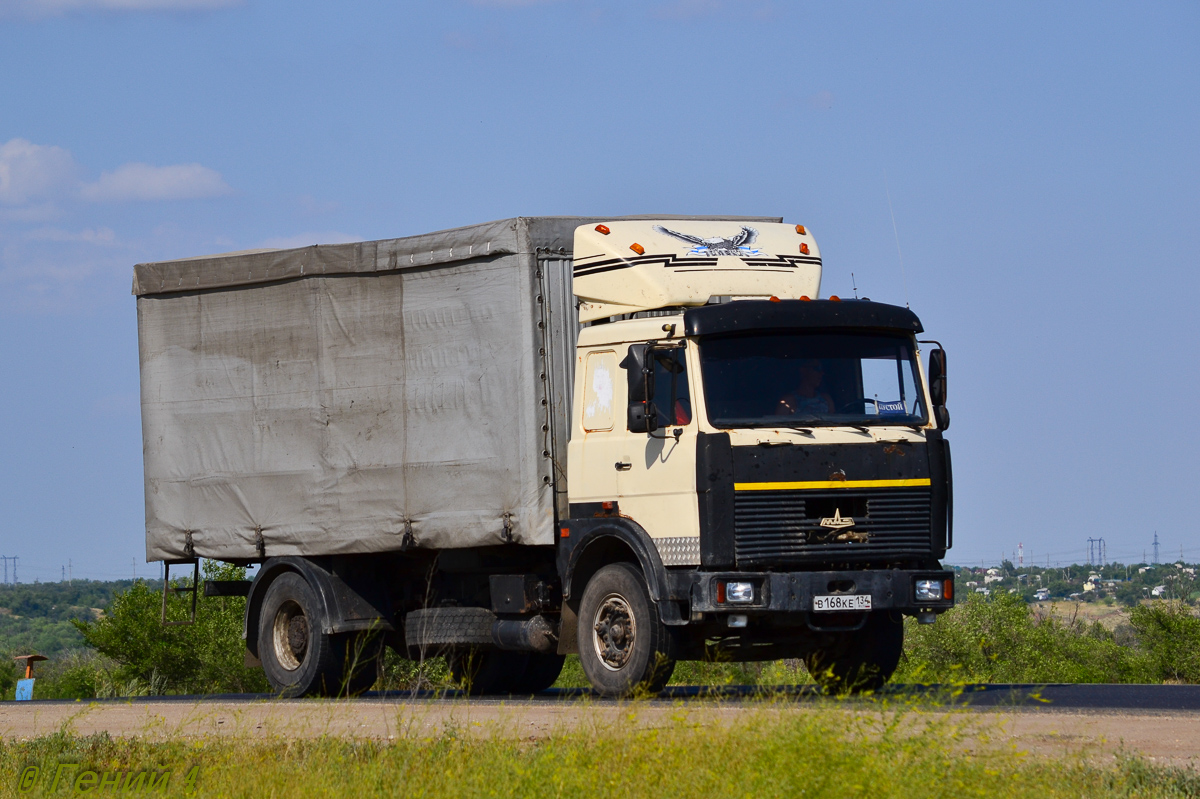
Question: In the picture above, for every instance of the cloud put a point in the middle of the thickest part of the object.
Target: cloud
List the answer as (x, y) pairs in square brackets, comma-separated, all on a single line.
[(102, 235), (146, 182), (31, 171), (42, 212), (34, 9), (307, 240)]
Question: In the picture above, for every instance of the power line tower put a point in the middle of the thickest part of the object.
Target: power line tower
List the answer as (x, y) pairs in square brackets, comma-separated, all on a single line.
[(1155, 547), (1020, 555), (1096, 552), (6, 559)]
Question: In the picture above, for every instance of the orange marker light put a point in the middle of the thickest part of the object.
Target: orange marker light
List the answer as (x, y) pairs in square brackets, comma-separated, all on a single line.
[(834, 298), (805, 298), (800, 229), (948, 589), (606, 505), (720, 593), (603, 229), (775, 299), (804, 249), (565, 532), (639, 249)]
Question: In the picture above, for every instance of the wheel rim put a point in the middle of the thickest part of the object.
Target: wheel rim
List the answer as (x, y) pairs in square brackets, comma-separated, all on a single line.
[(290, 635), (614, 632)]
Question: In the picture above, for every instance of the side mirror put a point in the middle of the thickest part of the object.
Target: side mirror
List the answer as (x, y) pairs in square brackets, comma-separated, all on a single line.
[(937, 387), (642, 416), (937, 376)]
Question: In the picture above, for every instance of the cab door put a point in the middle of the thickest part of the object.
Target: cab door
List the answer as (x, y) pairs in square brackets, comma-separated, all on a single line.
[(658, 488)]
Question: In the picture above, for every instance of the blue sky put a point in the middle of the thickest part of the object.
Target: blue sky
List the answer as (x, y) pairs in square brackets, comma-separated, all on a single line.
[(1041, 161)]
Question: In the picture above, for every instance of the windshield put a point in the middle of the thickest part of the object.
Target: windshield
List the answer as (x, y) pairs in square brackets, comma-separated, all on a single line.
[(797, 379)]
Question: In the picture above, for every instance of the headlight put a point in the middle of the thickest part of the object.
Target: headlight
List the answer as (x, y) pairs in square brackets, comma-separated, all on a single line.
[(929, 590), (739, 593)]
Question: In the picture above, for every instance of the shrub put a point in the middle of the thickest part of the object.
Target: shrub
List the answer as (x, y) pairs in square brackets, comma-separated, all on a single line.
[(205, 657), (1170, 635), (1002, 640)]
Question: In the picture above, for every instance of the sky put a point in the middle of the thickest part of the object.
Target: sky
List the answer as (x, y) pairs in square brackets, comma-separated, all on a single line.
[(1025, 174)]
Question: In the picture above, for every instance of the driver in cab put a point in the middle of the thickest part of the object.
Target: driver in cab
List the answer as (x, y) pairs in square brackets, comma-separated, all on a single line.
[(807, 398)]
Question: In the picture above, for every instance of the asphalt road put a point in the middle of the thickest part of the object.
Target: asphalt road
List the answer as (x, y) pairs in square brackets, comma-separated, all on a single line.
[(1015, 696)]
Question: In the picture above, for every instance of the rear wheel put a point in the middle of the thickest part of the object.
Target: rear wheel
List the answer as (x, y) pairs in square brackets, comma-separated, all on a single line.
[(624, 647), (300, 660), (540, 673), (486, 671), (863, 660)]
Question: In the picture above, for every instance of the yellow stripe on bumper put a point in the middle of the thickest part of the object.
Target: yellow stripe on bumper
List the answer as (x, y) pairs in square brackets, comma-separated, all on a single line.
[(922, 481)]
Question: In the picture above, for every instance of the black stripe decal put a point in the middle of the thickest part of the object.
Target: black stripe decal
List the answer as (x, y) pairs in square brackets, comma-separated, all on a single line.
[(673, 261)]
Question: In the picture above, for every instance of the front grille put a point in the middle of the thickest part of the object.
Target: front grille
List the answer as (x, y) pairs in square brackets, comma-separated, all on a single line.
[(782, 527)]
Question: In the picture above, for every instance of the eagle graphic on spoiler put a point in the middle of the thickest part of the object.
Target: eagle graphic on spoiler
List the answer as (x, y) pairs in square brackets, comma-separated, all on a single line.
[(738, 244)]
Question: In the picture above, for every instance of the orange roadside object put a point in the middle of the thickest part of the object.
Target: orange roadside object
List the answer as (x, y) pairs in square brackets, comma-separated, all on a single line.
[(29, 661)]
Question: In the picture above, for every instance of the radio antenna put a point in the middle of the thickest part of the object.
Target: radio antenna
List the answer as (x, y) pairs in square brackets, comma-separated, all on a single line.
[(896, 233), (854, 284)]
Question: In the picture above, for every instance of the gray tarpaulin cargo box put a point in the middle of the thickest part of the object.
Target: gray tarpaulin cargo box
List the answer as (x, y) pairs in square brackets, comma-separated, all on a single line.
[(363, 397)]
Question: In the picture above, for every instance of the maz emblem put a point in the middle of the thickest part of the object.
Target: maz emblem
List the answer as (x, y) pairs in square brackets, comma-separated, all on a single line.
[(836, 522)]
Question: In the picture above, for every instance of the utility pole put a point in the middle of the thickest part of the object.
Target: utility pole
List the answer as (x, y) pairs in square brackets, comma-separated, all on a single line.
[(1155, 547), (1020, 555), (70, 572)]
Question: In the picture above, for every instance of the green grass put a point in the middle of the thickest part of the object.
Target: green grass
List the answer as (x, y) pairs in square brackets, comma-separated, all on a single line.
[(772, 751)]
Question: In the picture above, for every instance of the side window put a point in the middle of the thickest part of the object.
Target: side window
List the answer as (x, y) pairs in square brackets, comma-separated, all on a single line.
[(672, 397), (599, 373)]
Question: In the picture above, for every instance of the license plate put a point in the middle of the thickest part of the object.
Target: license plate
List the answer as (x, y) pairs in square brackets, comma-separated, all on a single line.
[(842, 602)]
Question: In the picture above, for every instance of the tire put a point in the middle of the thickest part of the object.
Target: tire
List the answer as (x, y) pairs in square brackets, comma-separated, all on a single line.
[(540, 673), (624, 647), (863, 660), (297, 658), (486, 671)]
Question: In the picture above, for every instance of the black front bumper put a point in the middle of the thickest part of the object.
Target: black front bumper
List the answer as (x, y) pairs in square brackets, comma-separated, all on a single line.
[(793, 592)]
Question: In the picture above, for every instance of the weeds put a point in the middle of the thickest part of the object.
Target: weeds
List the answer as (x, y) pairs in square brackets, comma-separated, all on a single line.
[(773, 750)]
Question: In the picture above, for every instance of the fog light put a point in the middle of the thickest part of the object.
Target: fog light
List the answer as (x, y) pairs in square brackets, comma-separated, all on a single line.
[(926, 617), (929, 590), (738, 620), (739, 593)]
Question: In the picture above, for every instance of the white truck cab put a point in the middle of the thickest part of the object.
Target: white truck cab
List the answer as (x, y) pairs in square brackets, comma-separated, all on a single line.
[(779, 453)]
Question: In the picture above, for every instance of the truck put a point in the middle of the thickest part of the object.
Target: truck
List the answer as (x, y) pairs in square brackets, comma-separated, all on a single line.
[(639, 440)]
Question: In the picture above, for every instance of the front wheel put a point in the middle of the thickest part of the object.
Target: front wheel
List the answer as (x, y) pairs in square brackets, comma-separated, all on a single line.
[(863, 660), (624, 647)]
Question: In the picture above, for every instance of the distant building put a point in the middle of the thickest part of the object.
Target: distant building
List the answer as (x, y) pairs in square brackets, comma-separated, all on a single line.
[(1042, 594), (1158, 590)]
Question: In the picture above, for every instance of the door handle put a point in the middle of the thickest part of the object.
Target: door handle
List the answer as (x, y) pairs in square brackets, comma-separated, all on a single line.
[(623, 466)]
